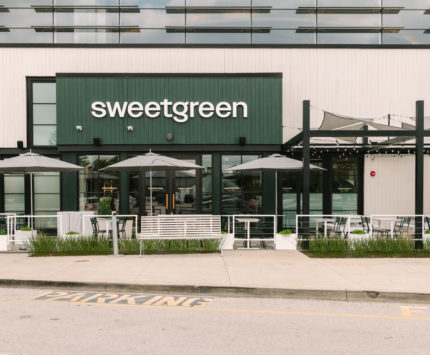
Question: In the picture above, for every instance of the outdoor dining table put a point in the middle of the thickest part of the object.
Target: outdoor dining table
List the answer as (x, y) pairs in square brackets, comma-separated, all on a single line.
[(247, 222), (392, 220), (322, 220)]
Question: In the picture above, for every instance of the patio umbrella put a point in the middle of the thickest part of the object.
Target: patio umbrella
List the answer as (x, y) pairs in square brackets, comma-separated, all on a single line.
[(151, 161), (274, 162), (34, 163)]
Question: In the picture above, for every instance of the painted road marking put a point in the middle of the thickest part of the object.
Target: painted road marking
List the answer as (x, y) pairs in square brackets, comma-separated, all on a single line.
[(124, 299), (408, 310), (190, 303)]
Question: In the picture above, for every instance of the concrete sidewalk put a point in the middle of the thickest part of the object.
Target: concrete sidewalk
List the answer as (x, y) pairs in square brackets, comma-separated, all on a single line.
[(240, 270)]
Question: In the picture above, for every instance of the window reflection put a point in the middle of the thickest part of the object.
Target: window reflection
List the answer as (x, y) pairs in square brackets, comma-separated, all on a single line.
[(349, 20), (241, 190), (218, 38), (87, 36), (19, 35), (152, 19), (406, 37), (349, 38), (284, 37), (408, 4), (283, 19), (153, 3), (24, 18), (282, 4), (407, 18), (345, 186), (86, 17), (219, 19), (94, 184), (348, 3), (151, 36)]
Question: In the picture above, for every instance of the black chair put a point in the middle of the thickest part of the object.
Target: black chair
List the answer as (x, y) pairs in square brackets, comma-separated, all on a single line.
[(366, 221), (121, 227), (96, 228)]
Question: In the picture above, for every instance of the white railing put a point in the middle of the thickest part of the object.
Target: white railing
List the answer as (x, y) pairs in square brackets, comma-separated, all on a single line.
[(387, 225), (249, 223), (338, 223), (107, 218), (11, 222)]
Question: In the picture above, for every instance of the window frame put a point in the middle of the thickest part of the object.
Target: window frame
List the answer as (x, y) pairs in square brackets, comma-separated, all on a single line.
[(30, 128)]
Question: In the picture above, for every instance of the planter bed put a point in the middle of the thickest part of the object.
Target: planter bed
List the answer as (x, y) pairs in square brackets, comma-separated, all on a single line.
[(55, 246)]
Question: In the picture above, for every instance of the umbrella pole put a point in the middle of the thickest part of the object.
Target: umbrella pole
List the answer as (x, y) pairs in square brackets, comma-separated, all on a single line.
[(150, 190)]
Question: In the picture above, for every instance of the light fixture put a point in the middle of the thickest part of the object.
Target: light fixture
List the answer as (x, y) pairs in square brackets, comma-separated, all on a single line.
[(169, 137), (130, 128), (79, 128)]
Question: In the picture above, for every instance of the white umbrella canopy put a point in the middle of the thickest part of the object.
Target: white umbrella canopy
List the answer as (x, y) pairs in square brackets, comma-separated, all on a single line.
[(35, 163), (274, 162), (151, 161)]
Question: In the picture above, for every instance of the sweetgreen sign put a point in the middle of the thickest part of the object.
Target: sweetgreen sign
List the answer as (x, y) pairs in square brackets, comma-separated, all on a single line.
[(190, 110)]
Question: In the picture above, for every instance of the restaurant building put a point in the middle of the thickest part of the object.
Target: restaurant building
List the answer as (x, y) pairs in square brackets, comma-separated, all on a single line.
[(217, 83)]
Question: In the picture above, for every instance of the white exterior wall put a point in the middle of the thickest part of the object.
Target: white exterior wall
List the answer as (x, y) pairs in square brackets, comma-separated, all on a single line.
[(351, 82), (392, 189)]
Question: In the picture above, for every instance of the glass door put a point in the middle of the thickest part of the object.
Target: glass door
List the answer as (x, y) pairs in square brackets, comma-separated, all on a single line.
[(186, 188), (173, 192)]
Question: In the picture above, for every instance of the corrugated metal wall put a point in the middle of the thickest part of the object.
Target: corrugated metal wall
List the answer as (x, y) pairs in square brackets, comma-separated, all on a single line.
[(261, 125), (392, 189), (356, 82)]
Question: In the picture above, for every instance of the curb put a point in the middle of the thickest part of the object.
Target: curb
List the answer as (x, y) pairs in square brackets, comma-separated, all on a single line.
[(225, 291)]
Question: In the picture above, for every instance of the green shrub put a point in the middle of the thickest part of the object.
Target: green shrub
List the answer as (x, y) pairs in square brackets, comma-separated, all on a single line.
[(72, 233), (46, 245), (26, 229), (104, 206), (181, 246), (3, 232), (285, 231), (41, 245), (358, 231), (377, 247), (336, 245), (428, 231)]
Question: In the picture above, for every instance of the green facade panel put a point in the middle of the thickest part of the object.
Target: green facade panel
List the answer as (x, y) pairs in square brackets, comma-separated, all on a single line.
[(261, 94)]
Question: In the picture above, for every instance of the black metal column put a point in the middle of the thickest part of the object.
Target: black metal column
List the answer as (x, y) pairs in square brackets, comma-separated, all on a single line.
[(419, 174), (360, 178), (306, 177), (327, 183)]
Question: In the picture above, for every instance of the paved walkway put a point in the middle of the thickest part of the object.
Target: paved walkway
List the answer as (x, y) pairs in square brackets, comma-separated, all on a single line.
[(239, 268)]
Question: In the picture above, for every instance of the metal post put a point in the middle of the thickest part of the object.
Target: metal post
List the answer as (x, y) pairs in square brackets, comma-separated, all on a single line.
[(150, 191), (114, 234), (419, 174), (306, 163)]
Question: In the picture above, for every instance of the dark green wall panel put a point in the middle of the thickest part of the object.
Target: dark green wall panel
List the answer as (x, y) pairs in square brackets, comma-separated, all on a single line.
[(69, 185), (263, 96)]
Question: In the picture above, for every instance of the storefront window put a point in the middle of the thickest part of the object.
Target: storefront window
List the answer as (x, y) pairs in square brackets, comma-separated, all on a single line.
[(345, 182), (14, 193), (44, 114), (95, 184), (207, 183), (292, 189), (241, 190)]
